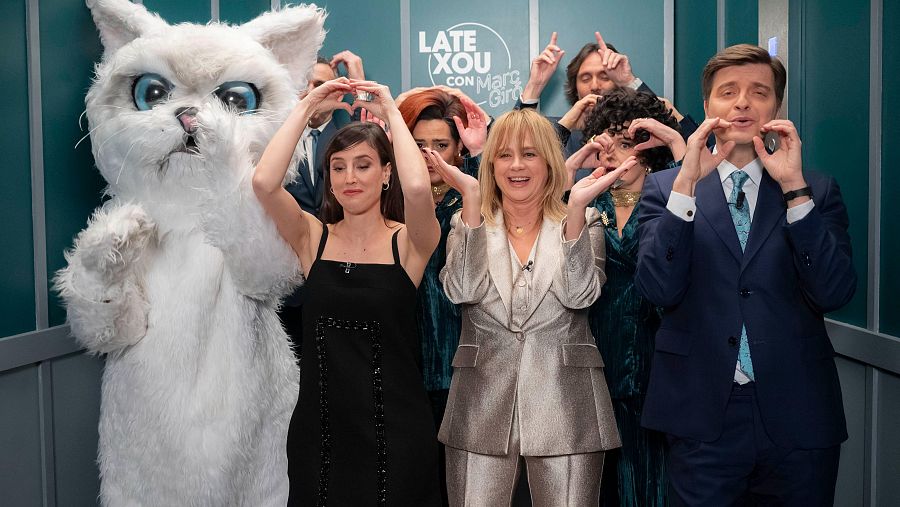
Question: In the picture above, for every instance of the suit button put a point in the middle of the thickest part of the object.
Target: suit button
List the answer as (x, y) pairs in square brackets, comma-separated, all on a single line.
[(670, 253), (520, 336), (733, 341), (806, 259), (746, 293)]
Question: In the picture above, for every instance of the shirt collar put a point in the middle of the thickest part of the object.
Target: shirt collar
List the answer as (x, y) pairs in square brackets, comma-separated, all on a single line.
[(753, 169)]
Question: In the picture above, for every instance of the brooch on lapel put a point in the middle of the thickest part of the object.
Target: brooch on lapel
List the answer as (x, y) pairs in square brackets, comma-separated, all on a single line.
[(604, 218)]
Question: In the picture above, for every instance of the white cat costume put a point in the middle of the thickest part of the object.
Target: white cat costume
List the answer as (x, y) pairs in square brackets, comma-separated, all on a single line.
[(178, 276)]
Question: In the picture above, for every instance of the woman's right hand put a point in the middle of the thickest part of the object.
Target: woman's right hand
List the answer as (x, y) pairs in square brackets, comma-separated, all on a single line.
[(586, 157), (660, 135), (463, 183), (329, 96), (382, 104)]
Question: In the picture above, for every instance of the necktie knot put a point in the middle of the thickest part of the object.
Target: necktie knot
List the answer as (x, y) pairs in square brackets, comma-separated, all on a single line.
[(739, 178), (314, 133)]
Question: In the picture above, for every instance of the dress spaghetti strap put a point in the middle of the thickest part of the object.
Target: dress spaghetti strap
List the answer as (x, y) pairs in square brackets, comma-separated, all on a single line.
[(394, 248), (322, 241)]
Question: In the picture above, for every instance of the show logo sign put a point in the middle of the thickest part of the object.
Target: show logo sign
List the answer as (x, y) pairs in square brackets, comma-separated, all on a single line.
[(474, 58)]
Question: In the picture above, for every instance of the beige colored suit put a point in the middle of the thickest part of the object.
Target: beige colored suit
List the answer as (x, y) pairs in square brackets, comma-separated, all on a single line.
[(526, 353)]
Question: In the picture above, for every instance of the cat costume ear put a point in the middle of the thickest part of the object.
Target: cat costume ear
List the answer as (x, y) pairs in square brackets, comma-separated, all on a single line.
[(120, 22), (293, 34)]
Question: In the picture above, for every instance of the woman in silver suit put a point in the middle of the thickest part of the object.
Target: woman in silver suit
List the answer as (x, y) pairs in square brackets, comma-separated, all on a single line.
[(528, 384)]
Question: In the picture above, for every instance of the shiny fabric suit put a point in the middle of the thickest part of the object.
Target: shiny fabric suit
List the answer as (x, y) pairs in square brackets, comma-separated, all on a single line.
[(534, 361), (788, 276)]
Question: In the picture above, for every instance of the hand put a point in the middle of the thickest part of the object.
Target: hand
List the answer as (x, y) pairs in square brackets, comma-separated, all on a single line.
[(466, 185), (586, 156), (660, 135), (109, 250), (589, 187), (575, 117), (366, 116), (328, 97), (542, 69), (671, 107), (382, 104), (618, 68), (351, 61), (698, 160), (474, 133), (785, 165)]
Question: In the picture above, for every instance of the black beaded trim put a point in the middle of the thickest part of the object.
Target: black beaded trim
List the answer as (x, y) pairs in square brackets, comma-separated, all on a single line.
[(373, 329)]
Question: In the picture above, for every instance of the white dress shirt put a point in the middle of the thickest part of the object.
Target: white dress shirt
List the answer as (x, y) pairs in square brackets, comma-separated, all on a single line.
[(308, 150)]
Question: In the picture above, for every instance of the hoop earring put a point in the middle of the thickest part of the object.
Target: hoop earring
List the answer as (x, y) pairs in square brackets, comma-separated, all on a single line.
[(386, 185)]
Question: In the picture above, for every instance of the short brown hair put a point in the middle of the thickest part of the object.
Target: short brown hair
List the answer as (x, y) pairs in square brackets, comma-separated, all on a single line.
[(515, 125), (744, 54)]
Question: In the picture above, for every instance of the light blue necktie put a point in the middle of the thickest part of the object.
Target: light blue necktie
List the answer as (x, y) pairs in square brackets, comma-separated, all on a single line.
[(741, 218), (314, 138)]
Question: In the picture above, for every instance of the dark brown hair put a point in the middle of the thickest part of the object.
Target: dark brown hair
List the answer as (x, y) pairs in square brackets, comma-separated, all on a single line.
[(575, 65), (346, 138), (744, 54), (434, 105), (622, 105)]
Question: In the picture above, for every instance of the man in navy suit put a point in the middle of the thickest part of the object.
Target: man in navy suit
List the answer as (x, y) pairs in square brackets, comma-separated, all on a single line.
[(746, 251)]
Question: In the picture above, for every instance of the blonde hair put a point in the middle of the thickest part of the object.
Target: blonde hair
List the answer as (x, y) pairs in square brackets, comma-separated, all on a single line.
[(517, 125)]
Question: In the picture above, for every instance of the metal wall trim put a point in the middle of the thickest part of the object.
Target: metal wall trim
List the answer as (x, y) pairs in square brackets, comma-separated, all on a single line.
[(534, 29), (36, 346), (36, 140), (48, 446), (669, 49), (873, 297), (405, 70), (866, 346), (214, 10), (720, 24)]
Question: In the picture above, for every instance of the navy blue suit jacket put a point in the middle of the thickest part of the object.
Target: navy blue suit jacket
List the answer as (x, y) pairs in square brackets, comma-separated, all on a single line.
[(788, 276), (307, 193)]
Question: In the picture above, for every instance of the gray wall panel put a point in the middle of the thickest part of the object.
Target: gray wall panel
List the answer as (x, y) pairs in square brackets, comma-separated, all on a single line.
[(851, 479), (20, 438), (76, 410), (887, 460)]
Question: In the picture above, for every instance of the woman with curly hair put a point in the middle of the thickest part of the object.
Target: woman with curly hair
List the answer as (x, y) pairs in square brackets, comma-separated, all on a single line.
[(627, 123)]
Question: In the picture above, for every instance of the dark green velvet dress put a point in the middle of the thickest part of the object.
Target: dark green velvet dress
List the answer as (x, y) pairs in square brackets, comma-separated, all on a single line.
[(624, 325), (439, 319)]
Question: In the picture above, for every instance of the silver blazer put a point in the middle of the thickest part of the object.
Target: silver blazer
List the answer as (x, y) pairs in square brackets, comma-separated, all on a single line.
[(533, 353)]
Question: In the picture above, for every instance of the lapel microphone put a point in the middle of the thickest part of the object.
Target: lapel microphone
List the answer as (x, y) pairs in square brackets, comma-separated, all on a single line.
[(740, 200), (529, 266)]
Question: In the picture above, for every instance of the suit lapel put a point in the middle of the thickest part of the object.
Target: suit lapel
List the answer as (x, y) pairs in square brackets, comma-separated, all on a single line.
[(499, 260), (546, 263), (768, 213), (712, 205)]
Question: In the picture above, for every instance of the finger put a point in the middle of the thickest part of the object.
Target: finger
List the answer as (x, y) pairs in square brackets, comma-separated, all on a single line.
[(760, 149), (600, 41), (460, 127), (614, 61), (553, 39), (606, 56), (545, 58)]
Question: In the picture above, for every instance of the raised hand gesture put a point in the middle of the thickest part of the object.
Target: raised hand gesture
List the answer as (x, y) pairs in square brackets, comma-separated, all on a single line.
[(352, 62), (328, 97), (586, 156), (382, 104), (785, 165), (698, 160), (542, 69), (586, 190), (618, 68), (575, 117), (474, 133), (466, 185), (660, 135)]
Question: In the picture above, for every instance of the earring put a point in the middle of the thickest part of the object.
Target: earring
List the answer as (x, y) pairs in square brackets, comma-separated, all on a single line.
[(386, 185), (649, 171), (331, 189)]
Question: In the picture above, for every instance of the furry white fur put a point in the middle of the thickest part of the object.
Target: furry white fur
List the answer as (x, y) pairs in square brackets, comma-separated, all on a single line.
[(178, 276)]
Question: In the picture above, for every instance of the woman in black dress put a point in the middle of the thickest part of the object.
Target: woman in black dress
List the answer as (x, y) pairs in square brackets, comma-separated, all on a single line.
[(362, 432)]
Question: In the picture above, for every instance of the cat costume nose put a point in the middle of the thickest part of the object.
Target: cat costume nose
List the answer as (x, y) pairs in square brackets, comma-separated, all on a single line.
[(188, 118)]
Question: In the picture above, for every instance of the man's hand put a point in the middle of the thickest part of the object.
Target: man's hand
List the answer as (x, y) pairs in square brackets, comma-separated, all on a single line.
[(575, 117), (352, 63), (542, 69), (785, 165), (618, 68), (698, 161), (474, 133)]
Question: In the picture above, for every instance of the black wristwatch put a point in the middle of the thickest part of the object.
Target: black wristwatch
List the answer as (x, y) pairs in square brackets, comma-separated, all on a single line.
[(800, 192)]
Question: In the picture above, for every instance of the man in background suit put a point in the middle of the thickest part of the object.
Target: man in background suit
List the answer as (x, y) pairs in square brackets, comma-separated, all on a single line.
[(746, 251), (597, 68)]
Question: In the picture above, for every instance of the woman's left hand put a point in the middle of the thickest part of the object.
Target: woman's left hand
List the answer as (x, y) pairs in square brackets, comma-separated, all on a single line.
[(366, 116), (660, 135), (588, 188), (382, 104), (474, 133)]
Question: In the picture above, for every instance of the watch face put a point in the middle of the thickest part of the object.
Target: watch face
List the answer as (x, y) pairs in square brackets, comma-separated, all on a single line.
[(771, 142)]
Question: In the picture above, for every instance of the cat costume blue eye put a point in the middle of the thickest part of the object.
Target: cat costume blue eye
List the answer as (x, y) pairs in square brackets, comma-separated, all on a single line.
[(149, 90), (238, 95)]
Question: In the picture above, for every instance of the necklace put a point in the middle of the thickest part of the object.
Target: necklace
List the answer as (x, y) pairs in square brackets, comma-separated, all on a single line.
[(625, 198), (521, 230), (439, 190)]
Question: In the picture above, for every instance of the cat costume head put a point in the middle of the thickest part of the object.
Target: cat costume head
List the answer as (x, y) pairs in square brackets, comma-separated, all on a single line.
[(158, 84)]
